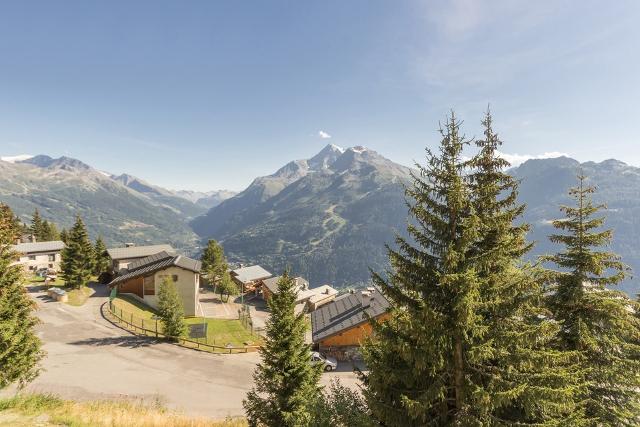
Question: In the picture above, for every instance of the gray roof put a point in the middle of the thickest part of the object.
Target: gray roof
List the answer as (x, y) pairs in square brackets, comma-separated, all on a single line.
[(346, 312), (154, 263), (27, 248), (249, 274), (138, 251), (272, 283)]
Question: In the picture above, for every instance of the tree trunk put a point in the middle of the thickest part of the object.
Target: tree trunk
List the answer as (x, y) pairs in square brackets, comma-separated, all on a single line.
[(458, 374)]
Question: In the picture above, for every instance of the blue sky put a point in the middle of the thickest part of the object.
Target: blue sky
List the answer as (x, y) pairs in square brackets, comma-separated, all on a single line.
[(208, 95)]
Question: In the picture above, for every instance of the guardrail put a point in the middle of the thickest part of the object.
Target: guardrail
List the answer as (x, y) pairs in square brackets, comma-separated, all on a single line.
[(181, 341)]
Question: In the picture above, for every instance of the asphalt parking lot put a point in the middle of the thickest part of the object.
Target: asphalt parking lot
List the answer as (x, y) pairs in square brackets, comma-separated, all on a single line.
[(88, 358)]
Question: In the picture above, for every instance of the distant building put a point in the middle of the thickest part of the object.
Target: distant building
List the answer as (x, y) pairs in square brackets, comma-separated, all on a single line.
[(339, 327), (143, 278), (249, 278), (307, 298), (122, 257), (33, 256)]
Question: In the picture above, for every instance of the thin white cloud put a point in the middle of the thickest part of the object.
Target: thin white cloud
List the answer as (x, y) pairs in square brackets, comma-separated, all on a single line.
[(18, 158), (518, 159), (323, 135)]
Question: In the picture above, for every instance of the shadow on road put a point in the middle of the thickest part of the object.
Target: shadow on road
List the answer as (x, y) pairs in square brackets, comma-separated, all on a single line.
[(129, 341)]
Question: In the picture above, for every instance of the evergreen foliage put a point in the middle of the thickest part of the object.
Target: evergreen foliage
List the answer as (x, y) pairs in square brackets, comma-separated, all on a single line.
[(37, 225), (77, 256), (63, 235), (170, 309), (285, 382), (227, 287), (20, 350), (464, 344), (598, 322), (214, 263), (49, 232), (341, 406), (102, 261)]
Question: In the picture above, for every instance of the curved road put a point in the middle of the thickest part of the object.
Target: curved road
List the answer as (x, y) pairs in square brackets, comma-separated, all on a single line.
[(88, 358)]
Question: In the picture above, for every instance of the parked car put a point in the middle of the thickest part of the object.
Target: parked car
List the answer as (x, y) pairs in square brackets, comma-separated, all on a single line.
[(329, 363)]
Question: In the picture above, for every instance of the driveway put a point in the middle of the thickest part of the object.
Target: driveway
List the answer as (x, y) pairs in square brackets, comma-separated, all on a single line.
[(88, 358)]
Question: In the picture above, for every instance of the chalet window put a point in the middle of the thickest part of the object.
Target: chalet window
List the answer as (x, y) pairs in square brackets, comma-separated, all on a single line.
[(175, 278), (52, 258), (32, 257), (149, 286)]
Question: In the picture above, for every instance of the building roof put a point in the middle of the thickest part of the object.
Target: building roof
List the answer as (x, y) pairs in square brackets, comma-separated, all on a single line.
[(346, 312), (272, 283), (251, 273), (138, 251), (318, 294), (156, 262), (26, 248)]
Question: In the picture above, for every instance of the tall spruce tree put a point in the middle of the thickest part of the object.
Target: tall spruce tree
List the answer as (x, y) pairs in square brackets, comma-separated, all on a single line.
[(597, 321), (464, 344), (77, 256), (37, 226), (20, 350), (49, 232), (101, 261), (286, 382), (214, 263), (170, 309)]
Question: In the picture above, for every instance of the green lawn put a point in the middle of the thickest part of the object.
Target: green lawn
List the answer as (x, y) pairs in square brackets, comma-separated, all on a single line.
[(224, 331), (219, 331), (133, 306)]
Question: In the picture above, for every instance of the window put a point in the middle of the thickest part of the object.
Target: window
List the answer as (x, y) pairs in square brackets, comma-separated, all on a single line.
[(175, 278), (52, 258), (149, 286), (32, 257)]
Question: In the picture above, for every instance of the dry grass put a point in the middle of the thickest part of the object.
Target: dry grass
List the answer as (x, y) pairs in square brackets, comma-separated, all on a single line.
[(78, 297), (48, 410)]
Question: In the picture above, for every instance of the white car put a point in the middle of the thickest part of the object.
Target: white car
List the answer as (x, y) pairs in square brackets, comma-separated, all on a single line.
[(330, 363)]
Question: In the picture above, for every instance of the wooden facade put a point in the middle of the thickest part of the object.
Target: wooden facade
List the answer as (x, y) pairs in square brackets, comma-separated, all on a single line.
[(133, 286)]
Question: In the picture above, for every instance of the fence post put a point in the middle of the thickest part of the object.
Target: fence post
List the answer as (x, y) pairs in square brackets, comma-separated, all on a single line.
[(156, 328)]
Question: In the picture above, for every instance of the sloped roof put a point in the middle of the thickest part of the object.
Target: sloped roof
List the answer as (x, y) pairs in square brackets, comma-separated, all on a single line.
[(154, 263), (26, 248), (138, 251), (251, 273), (272, 283), (346, 312)]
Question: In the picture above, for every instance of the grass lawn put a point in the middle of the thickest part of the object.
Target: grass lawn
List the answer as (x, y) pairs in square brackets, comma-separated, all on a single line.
[(39, 281), (223, 331), (49, 410), (219, 331), (133, 306)]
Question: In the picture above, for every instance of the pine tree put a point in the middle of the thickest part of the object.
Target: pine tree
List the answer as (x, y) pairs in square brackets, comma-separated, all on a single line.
[(49, 232), (37, 226), (77, 256), (598, 322), (170, 309), (517, 376), (20, 350), (465, 335), (214, 263), (227, 286), (101, 261), (63, 235), (286, 382)]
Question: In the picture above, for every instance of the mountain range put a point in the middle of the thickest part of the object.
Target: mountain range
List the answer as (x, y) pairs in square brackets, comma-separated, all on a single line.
[(327, 217), (120, 208)]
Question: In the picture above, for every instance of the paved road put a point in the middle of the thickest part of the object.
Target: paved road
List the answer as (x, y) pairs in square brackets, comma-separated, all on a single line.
[(89, 359)]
